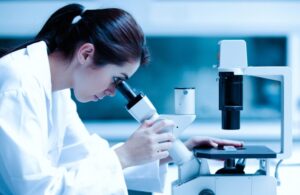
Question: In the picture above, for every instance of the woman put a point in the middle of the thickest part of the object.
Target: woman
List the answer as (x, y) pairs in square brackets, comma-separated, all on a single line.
[(45, 148)]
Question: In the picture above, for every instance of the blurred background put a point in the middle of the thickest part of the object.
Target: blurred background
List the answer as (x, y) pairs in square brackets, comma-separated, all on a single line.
[(187, 61), (183, 37)]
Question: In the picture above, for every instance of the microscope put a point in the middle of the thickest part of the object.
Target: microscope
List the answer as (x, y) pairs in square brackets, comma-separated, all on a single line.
[(140, 108), (194, 175)]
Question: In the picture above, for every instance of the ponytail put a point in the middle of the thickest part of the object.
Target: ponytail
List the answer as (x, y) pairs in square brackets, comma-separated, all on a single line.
[(57, 31)]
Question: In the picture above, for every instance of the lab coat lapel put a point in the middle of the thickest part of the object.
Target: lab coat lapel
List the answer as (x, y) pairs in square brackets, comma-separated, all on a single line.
[(40, 65), (37, 53)]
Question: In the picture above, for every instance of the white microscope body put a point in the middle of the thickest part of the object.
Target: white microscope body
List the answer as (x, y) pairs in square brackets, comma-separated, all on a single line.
[(232, 180), (140, 107)]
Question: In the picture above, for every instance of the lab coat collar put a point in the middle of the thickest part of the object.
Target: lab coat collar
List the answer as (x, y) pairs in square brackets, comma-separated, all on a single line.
[(40, 63)]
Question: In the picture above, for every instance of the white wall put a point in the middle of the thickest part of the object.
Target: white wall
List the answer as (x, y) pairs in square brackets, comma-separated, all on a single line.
[(18, 18)]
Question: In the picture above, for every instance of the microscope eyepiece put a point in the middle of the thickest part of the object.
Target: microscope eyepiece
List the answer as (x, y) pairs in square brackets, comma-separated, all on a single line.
[(125, 89), (230, 99), (128, 93)]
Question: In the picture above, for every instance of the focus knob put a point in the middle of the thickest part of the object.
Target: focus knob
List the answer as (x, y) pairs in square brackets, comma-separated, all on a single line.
[(207, 192)]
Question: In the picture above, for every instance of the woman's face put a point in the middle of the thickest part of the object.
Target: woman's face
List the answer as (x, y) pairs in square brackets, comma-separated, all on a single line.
[(91, 83)]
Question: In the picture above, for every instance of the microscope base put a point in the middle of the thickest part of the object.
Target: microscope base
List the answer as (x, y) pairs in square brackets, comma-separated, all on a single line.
[(227, 185)]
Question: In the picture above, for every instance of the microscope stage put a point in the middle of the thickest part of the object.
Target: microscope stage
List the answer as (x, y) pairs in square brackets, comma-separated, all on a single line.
[(242, 152)]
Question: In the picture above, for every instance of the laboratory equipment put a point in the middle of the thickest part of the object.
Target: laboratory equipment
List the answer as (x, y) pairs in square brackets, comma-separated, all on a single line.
[(141, 109), (194, 176), (232, 178)]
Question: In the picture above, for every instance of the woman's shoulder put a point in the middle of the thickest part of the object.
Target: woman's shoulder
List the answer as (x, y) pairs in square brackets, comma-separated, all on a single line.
[(13, 70)]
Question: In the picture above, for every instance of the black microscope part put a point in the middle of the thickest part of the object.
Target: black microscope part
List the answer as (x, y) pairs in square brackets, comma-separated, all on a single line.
[(230, 99), (128, 93), (125, 89)]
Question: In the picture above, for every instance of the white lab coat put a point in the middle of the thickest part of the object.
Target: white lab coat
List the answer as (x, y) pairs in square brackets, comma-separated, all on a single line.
[(44, 146)]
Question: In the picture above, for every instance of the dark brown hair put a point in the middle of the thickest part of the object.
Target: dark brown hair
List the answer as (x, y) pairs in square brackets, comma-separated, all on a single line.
[(115, 34)]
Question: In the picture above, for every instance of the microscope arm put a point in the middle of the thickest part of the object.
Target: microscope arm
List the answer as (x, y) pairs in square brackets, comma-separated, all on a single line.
[(284, 76), (233, 59)]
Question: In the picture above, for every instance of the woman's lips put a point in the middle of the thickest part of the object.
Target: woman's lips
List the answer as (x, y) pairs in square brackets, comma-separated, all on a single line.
[(98, 97)]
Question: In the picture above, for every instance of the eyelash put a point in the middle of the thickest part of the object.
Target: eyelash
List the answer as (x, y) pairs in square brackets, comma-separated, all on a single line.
[(116, 79)]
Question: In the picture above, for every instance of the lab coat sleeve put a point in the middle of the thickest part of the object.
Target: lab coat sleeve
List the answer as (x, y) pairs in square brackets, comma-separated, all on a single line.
[(148, 177), (24, 164)]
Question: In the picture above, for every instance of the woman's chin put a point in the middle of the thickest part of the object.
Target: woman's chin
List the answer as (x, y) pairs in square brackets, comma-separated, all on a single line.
[(93, 98), (84, 100)]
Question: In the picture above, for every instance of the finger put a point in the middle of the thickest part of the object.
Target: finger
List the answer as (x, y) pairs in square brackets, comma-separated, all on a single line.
[(229, 143), (164, 137), (198, 141), (201, 142), (161, 125), (164, 146), (162, 154), (213, 144), (148, 123)]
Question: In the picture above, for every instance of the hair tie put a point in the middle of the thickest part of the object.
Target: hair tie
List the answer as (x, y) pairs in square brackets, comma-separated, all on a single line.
[(79, 17), (76, 19)]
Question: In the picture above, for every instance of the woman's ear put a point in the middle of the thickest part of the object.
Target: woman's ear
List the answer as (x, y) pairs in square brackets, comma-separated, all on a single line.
[(85, 53)]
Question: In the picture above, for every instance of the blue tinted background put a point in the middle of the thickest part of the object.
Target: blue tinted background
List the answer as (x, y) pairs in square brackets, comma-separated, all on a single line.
[(187, 61)]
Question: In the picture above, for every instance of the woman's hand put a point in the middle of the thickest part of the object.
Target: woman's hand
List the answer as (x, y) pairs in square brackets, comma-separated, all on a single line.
[(148, 143), (199, 141)]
